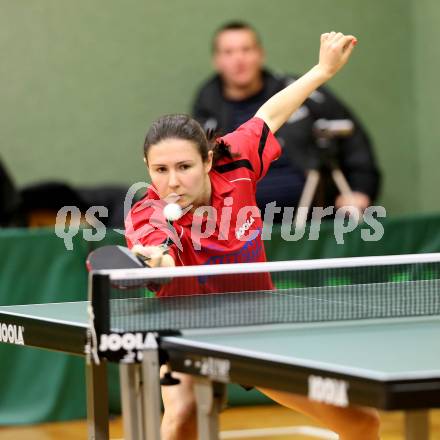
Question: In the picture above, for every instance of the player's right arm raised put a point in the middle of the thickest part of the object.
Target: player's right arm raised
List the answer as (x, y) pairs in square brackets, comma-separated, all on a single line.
[(335, 50)]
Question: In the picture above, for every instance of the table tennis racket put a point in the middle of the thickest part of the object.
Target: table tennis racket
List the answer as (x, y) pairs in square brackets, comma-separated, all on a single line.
[(114, 257), (119, 257)]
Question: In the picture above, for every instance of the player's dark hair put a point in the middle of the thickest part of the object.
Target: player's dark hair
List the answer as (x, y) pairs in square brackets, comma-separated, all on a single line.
[(181, 126), (233, 26)]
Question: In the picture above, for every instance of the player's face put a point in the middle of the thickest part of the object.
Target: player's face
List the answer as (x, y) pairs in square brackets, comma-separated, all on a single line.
[(176, 167), (238, 57)]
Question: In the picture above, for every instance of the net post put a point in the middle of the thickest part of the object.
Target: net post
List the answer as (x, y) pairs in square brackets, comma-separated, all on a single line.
[(96, 369), (151, 389), (97, 401), (100, 302)]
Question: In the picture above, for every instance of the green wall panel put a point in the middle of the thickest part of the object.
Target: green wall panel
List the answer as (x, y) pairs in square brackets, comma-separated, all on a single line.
[(81, 81)]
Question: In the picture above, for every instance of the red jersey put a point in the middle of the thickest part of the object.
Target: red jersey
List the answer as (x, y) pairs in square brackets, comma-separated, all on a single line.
[(233, 232)]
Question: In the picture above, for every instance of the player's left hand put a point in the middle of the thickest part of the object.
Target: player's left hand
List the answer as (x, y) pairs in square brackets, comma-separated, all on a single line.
[(335, 51)]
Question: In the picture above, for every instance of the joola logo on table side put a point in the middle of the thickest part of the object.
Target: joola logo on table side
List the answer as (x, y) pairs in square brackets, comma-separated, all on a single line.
[(326, 390), (12, 334), (246, 225), (127, 342)]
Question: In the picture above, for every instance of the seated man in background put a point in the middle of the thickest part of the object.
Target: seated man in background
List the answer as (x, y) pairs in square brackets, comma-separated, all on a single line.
[(242, 84)]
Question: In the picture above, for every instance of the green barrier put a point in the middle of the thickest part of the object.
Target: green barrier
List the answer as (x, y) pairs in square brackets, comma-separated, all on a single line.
[(35, 267)]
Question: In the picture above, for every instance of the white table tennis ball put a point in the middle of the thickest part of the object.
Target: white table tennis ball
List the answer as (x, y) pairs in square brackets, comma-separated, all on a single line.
[(172, 211)]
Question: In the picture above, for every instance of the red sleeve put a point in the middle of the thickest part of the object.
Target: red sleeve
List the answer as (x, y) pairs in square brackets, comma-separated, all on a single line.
[(145, 224), (255, 143)]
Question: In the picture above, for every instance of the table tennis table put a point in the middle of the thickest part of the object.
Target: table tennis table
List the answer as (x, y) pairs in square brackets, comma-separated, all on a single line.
[(385, 363)]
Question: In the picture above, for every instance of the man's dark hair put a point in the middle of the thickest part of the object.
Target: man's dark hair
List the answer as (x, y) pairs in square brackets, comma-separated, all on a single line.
[(234, 26)]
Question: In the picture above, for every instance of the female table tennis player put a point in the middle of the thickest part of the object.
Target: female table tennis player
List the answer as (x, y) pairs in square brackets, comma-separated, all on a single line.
[(187, 169)]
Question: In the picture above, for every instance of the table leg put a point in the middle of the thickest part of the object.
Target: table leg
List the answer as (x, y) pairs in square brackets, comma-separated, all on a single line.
[(417, 425), (151, 389), (97, 401), (131, 399), (210, 398)]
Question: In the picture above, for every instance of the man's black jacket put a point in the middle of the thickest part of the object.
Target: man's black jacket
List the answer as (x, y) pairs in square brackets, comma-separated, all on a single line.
[(354, 154)]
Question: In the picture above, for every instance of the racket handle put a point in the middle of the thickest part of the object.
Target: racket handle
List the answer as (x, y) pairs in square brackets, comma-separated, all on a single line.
[(142, 259), (146, 259)]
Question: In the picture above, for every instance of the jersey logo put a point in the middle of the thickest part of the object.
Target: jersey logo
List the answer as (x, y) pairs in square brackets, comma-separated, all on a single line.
[(244, 227)]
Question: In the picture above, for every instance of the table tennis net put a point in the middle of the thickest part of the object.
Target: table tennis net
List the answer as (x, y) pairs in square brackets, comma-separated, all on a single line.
[(271, 294)]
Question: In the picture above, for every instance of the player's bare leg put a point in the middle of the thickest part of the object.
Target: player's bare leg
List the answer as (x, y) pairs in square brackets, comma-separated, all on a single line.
[(180, 417), (352, 423)]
